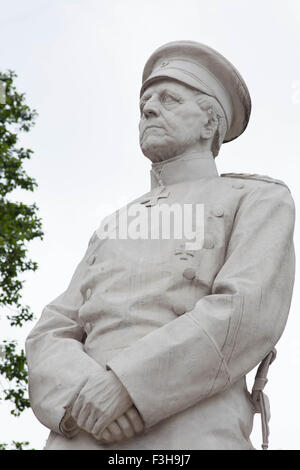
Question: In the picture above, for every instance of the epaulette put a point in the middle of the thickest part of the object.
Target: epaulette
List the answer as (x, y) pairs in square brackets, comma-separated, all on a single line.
[(253, 176), (93, 238)]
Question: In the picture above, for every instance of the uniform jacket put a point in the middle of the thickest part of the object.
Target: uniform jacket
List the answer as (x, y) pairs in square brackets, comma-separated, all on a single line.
[(181, 345)]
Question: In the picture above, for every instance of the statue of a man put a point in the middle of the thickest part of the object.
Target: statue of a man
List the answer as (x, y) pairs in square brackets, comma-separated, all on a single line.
[(149, 346)]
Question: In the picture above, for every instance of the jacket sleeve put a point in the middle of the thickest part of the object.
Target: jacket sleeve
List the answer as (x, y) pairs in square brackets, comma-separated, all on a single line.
[(228, 332), (57, 364)]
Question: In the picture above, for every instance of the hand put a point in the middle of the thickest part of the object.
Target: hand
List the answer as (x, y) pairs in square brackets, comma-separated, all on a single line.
[(124, 427), (101, 401)]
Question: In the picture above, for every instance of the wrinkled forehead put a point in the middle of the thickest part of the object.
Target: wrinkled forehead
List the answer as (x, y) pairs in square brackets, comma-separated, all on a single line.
[(167, 83)]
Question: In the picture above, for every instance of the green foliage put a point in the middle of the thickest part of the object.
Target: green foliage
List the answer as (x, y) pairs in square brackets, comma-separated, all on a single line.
[(19, 224), (13, 368), (15, 445)]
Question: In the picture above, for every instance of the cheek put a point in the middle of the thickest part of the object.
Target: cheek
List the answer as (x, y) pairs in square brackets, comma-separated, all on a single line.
[(194, 120), (140, 124), (189, 126)]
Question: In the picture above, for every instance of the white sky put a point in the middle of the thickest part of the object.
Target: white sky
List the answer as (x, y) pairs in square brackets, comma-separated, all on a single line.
[(80, 64)]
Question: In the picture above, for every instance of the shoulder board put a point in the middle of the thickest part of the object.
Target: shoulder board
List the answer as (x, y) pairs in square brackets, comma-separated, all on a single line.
[(253, 176), (93, 238)]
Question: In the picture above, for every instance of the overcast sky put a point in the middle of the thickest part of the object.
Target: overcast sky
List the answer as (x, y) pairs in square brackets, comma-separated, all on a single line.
[(80, 64)]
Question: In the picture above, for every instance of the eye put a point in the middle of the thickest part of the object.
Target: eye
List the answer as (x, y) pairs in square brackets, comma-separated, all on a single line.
[(169, 99), (166, 98)]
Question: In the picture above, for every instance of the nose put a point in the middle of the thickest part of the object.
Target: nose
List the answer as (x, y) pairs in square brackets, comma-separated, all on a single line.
[(151, 108)]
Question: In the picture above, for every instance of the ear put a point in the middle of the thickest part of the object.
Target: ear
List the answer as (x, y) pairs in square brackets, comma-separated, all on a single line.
[(210, 124)]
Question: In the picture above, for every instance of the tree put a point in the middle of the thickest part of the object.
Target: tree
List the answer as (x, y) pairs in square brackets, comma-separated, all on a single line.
[(19, 224)]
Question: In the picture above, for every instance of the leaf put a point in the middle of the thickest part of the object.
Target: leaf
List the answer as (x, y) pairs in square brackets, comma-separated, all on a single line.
[(19, 224)]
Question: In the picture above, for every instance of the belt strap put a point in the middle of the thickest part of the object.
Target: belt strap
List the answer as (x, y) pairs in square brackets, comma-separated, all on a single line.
[(260, 399)]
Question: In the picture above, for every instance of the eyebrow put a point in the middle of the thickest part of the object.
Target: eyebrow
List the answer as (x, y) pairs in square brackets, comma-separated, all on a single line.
[(146, 96)]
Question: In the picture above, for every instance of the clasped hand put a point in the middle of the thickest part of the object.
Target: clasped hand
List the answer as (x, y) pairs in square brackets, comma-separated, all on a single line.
[(124, 427), (104, 409)]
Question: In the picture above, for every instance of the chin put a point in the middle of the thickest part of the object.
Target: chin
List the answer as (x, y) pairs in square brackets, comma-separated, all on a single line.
[(157, 152)]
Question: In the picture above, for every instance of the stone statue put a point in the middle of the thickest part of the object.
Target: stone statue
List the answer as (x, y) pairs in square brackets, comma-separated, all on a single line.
[(149, 346)]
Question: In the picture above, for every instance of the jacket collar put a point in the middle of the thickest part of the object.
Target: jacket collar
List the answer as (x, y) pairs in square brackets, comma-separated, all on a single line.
[(183, 168)]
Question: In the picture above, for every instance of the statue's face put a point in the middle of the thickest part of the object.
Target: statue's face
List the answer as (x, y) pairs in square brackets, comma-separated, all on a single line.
[(171, 120)]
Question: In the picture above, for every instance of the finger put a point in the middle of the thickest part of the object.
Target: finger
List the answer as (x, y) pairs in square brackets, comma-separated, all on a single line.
[(83, 416), (135, 419), (77, 408), (126, 426), (98, 428), (89, 423), (86, 418), (106, 437), (116, 431)]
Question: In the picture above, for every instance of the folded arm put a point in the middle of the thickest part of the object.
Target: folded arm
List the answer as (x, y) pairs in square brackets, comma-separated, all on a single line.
[(65, 384)]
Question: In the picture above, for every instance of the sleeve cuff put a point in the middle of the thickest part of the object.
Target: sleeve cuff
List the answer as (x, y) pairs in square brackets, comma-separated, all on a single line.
[(68, 426)]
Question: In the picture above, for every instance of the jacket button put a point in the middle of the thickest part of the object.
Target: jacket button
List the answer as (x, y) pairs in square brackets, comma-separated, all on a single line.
[(218, 211), (238, 185), (88, 294), (179, 309), (91, 259), (189, 273), (208, 242)]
